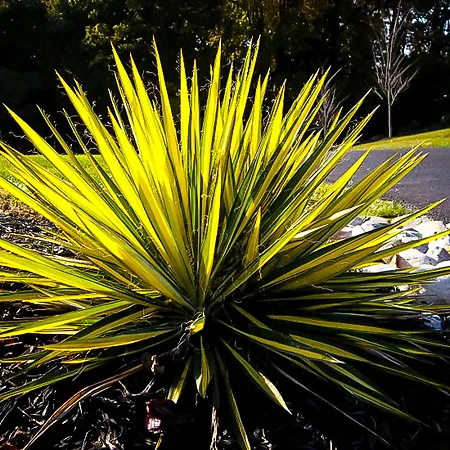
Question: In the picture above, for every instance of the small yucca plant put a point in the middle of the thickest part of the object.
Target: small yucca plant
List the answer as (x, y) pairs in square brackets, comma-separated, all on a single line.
[(199, 232)]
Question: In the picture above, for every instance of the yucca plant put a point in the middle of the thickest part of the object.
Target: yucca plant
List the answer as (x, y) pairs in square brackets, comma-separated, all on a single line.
[(199, 237)]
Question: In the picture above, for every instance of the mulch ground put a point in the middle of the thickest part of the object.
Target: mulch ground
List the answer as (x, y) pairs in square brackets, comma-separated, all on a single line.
[(115, 420)]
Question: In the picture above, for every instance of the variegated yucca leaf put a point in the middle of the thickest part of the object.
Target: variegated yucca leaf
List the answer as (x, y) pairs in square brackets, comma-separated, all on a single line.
[(201, 228)]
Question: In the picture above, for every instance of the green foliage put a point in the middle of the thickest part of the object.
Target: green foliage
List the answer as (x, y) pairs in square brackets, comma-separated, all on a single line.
[(198, 239), (297, 37), (386, 208)]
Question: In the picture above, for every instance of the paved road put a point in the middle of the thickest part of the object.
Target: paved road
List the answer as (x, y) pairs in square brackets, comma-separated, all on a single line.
[(427, 183)]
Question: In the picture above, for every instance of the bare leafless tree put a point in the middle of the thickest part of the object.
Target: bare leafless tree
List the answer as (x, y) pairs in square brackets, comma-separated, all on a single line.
[(393, 71), (331, 102)]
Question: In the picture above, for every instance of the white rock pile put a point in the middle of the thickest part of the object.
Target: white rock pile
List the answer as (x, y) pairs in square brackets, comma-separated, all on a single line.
[(434, 255)]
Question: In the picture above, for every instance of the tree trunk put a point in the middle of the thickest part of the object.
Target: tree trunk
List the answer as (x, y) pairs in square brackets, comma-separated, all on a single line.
[(389, 107)]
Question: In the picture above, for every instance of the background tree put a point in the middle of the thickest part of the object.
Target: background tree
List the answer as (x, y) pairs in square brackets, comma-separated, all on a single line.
[(331, 102), (38, 37), (393, 70)]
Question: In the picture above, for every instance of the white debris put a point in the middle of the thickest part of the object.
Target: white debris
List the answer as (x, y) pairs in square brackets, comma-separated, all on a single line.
[(437, 292), (376, 268), (414, 258), (424, 257), (431, 227), (439, 254)]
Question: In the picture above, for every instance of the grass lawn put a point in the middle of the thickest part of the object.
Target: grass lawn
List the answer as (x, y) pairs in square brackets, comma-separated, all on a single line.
[(5, 166), (439, 138)]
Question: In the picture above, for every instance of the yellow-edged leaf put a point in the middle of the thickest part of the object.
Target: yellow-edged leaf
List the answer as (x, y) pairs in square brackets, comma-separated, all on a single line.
[(259, 379)]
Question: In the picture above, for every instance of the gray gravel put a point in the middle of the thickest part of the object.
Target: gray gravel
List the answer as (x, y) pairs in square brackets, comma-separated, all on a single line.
[(427, 183)]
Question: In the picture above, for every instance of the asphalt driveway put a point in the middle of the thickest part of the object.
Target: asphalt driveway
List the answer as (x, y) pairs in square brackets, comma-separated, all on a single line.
[(427, 183)]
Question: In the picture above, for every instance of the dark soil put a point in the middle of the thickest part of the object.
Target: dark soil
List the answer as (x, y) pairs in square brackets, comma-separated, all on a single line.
[(115, 420)]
